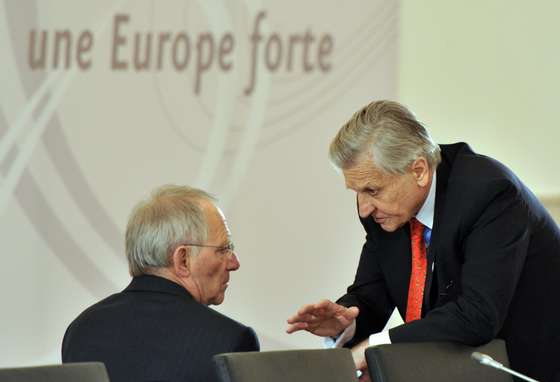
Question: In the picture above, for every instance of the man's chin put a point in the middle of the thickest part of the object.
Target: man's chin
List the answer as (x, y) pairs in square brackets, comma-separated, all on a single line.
[(389, 226), (218, 300)]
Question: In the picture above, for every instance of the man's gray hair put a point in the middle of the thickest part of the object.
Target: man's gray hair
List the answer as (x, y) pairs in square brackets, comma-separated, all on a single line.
[(390, 133), (171, 216)]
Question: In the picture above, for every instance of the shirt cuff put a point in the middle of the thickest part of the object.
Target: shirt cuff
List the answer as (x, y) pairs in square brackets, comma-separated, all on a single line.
[(342, 338), (380, 338)]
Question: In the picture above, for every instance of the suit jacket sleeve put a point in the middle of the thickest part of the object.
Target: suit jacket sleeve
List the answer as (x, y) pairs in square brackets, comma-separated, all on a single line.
[(369, 293), (491, 248), (248, 341)]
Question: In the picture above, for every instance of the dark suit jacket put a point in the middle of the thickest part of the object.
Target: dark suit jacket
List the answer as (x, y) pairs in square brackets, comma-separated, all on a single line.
[(154, 331), (496, 256)]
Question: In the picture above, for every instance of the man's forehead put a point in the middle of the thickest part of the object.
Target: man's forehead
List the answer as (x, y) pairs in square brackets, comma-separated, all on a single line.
[(363, 173), (224, 221), (217, 223)]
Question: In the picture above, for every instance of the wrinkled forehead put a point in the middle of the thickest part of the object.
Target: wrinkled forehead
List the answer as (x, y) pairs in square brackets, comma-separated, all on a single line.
[(364, 172)]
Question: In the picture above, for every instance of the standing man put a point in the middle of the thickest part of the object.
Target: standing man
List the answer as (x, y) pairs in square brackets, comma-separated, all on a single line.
[(455, 242), (160, 328)]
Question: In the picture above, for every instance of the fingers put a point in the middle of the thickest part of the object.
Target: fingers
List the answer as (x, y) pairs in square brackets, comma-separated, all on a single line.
[(312, 327), (325, 310), (301, 318), (302, 314), (328, 305), (334, 309), (325, 317), (296, 327), (311, 312)]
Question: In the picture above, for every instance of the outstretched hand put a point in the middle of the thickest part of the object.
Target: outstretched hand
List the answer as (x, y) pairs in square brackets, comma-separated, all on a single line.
[(325, 318)]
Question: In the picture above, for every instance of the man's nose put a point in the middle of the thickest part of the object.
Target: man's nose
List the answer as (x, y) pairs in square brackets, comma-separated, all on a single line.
[(233, 262), (365, 206)]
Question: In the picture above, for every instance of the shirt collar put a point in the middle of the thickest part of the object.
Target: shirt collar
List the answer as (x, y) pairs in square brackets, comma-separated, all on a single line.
[(426, 213), (157, 284)]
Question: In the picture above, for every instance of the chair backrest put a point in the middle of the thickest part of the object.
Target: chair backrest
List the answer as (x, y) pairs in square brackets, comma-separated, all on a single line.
[(332, 365), (68, 372), (435, 362)]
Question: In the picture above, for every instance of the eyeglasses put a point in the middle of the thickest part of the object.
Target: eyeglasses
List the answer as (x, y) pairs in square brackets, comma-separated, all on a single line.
[(223, 250)]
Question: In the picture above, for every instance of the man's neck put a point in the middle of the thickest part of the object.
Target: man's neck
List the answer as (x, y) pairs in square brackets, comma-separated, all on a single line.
[(188, 284)]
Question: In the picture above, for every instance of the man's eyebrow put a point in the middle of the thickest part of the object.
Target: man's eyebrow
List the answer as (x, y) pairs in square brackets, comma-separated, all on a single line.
[(366, 187)]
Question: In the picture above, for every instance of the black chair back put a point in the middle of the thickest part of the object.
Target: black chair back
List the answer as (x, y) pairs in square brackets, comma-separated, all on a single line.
[(68, 372), (435, 362), (332, 365)]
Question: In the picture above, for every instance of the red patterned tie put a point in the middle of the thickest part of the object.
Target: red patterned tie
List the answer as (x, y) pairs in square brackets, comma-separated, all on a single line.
[(418, 274)]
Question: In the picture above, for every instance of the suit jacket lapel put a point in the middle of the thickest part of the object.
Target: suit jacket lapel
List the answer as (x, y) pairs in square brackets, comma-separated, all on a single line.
[(443, 171)]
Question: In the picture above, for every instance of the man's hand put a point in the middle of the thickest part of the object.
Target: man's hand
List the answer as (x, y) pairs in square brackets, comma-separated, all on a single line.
[(325, 318), (359, 355)]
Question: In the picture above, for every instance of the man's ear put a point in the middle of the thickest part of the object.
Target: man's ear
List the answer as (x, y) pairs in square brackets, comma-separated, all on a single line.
[(180, 261), (421, 171)]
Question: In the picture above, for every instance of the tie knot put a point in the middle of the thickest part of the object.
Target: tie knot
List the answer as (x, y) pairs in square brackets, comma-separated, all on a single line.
[(416, 227), (419, 231)]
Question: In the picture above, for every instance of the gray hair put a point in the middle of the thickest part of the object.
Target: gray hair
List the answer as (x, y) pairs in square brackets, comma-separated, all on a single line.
[(390, 133), (171, 216)]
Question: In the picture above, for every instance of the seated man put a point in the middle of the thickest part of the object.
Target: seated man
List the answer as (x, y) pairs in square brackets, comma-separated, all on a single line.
[(160, 328)]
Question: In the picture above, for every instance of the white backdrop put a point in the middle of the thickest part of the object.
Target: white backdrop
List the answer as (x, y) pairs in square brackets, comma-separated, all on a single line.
[(81, 141)]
